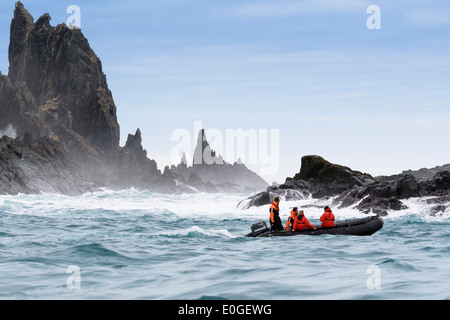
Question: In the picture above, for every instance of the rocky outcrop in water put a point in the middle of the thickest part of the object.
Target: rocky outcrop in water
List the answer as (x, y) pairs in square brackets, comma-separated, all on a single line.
[(381, 196), (421, 174), (209, 172), (317, 178), (326, 179), (345, 187)]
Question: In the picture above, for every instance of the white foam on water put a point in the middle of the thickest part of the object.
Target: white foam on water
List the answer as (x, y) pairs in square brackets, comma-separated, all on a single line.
[(196, 229), (425, 208), (200, 205)]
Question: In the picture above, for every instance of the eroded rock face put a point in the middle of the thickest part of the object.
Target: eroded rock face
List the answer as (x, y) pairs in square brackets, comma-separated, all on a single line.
[(39, 165), (134, 167), (56, 93), (327, 179), (322, 171), (57, 88), (439, 185)]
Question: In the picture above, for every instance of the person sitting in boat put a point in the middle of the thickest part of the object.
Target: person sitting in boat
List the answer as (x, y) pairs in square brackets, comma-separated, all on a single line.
[(275, 221), (327, 218), (291, 219), (301, 223)]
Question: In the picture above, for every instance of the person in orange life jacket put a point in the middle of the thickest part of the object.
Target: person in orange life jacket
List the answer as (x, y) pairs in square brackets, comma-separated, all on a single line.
[(301, 223), (275, 221), (327, 218), (291, 219)]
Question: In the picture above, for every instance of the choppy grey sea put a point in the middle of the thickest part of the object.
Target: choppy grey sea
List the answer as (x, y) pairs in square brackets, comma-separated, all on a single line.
[(138, 245)]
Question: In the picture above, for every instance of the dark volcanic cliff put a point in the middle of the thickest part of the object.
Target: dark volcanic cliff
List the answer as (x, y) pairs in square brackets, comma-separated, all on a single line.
[(56, 101), (56, 92), (56, 87)]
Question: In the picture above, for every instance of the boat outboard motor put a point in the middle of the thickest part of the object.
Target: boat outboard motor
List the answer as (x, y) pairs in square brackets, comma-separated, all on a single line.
[(258, 228)]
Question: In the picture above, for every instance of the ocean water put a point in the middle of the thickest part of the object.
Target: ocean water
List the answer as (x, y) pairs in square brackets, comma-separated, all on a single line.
[(138, 245)]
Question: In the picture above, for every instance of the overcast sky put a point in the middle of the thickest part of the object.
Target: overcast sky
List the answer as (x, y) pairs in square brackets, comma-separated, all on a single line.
[(377, 101)]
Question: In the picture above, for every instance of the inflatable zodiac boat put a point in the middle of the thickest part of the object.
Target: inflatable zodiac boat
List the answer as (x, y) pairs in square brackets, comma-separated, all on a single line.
[(359, 227)]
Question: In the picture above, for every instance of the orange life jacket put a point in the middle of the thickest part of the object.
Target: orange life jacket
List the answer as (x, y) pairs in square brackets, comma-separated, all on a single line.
[(274, 211), (327, 219), (301, 223), (291, 220)]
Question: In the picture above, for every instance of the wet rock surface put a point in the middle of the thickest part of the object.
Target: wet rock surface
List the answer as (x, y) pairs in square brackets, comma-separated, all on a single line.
[(319, 178)]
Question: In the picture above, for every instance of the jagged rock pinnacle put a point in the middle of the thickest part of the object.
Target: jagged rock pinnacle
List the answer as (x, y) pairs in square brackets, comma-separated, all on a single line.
[(62, 82)]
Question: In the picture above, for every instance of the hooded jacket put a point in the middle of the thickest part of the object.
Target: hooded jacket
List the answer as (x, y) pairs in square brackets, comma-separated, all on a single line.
[(301, 223), (327, 219)]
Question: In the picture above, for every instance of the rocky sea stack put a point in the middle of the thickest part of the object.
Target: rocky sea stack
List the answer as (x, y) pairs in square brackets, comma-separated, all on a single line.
[(210, 171), (61, 120)]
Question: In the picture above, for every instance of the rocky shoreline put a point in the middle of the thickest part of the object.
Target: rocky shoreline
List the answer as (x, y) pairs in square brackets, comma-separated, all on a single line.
[(344, 187)]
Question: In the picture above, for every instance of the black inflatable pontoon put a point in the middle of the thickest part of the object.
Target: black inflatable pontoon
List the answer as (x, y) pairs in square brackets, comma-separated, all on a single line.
[(359, 227)]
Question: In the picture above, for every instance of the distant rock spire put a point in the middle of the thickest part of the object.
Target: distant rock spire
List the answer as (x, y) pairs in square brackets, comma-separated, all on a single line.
[(203, 154), (183, 160)]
